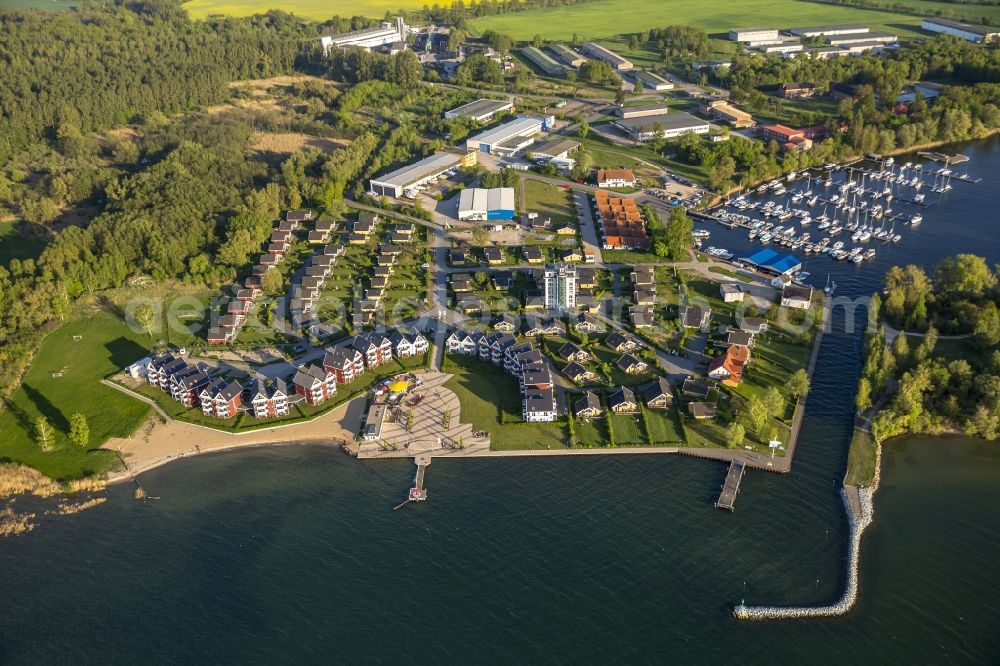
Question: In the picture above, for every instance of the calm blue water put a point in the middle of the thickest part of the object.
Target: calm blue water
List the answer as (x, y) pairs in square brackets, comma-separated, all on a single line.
[(293, 555)]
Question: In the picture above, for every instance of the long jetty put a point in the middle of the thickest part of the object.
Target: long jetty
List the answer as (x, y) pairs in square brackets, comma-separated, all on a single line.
[(731, 487)]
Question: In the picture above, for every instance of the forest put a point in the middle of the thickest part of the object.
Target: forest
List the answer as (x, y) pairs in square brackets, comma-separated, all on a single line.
[(150, 185), (929, 383)]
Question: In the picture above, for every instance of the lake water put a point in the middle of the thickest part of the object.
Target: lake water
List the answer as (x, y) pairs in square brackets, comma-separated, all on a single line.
[(293, 555)]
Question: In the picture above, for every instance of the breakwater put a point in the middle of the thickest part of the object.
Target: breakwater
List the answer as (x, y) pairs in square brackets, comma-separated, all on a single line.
[(858, 519)]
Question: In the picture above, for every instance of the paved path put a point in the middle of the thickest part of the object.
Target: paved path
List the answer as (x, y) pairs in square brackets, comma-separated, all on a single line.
[(138, 396), (891, 333)]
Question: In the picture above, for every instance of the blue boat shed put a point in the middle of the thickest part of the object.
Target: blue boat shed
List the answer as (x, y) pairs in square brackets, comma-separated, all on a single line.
[(771, 262)]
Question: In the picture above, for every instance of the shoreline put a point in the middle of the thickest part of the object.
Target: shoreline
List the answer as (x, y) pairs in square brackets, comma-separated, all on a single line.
[(165, 442), (162, 443)]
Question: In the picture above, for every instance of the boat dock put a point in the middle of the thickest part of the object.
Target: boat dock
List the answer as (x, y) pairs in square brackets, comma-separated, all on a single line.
[(731, 487), (418, 493), (942, 157)]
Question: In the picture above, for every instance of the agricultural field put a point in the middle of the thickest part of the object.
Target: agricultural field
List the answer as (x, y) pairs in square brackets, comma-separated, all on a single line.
[(318, 10), (590, 20), (65, 378), (51, 5)]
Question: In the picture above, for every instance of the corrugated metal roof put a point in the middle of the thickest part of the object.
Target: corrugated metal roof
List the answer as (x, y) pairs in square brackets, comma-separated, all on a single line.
[(483, 200), (418, 170), (517, 127)]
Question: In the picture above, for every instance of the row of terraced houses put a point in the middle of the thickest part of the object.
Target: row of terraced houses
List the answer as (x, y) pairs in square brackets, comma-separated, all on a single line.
[(342, 365), (192, 386), (520, 359)]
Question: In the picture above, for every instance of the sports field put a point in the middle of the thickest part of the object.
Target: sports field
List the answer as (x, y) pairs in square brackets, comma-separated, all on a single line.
[(603, 18), (319, 10)]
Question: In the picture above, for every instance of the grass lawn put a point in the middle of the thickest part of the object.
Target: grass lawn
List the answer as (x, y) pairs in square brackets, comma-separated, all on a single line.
[(591, 19), (706, 433), (550, 201), (662, 426), (491, 401), (407, 290), (719, 270), (607, 154), (627, 429), (792, 109), (107, 345), (629, 257), (14, 245), (961, 349), (861, 460), (591, 433)]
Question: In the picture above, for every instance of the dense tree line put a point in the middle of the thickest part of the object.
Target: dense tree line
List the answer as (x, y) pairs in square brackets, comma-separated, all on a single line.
[(677, 40), (69, 73), (961, 298), (926, 390), (356, 65)]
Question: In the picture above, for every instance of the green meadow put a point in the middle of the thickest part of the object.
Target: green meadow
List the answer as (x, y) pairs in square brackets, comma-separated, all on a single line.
[(603, 18), (65, 378)]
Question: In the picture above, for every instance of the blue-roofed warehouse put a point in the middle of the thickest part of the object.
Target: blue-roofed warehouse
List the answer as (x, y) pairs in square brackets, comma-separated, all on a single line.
[(770, 261)]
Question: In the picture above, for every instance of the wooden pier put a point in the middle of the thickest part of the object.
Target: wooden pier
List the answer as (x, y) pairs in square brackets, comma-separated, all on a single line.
[(418, 493), (731, 487)]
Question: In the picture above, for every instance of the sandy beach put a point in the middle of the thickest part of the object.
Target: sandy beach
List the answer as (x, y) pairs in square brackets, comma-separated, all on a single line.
[(155, 445)]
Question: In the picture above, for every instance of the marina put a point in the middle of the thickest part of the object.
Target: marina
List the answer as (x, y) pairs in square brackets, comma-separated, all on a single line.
[(845, 212)]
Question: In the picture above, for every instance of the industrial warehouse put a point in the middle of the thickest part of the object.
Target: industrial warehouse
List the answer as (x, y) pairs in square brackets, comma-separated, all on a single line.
[(567, 55), (482, 110), (840, 40), (369, 38), (667, 125), (542, 61), (508, 138), (557, 150), (966, 31), (641, 111), (651, 80), (598, 52), (480, 204), (408, 178)]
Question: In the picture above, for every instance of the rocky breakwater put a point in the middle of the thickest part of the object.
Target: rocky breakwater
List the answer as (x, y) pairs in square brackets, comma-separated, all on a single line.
[(858, 520)]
